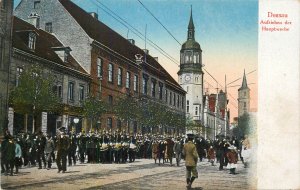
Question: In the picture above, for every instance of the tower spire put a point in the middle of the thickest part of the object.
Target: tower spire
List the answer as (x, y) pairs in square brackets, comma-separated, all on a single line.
[(191, 23), (244, 84), (191, 27)]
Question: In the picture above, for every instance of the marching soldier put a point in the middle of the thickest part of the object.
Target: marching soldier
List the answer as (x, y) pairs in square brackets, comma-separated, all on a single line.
[(49, 148), (40, 147), (63, 144), (177, 150), (132, 149), (72, 150)]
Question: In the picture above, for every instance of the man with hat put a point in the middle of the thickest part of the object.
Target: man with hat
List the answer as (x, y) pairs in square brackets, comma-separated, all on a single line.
[(177, 150), (63, 145), (191, 158)]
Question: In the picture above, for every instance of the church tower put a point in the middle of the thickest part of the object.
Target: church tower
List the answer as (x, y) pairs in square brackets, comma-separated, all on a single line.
[(244, 97), (191, 75)]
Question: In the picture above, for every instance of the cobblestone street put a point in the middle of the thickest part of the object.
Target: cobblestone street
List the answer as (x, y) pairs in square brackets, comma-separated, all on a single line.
[(142, 174)]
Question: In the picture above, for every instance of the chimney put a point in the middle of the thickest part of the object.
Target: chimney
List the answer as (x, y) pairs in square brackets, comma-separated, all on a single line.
[(34, 19), (156, 58), (146, 51), (94, 15), (131, 41)]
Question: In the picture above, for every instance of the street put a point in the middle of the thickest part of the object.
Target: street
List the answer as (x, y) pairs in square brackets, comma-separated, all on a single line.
[(142, 174)]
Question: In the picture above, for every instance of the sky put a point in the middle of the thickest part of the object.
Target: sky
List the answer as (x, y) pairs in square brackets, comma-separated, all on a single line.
[(227, 31)]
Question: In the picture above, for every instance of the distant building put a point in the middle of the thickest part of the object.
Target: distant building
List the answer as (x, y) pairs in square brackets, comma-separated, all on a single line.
[(243, 97)]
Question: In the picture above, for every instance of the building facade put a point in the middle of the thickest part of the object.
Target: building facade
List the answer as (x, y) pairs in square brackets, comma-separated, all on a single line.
[(6, 12), (36, 47), (190, 75), (116, 65), (243, 97)]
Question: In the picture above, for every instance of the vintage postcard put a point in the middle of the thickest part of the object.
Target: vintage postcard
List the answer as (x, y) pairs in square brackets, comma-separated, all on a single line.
[(150, 94)]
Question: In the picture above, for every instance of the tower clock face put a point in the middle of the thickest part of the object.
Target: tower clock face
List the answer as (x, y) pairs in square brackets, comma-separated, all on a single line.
[(187, 78)]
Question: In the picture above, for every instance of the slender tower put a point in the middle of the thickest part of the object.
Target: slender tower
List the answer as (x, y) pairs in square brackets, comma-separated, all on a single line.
[(244, 97), (191, 74)]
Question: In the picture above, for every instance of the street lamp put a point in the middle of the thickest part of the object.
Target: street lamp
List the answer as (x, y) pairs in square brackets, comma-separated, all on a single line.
[(76, 120)]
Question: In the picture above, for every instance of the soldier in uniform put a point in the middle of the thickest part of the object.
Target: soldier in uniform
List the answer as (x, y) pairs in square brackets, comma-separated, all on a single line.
[(177, 150), (63, 144), (169, 150), (72, 149), (82, 148), (49, 148), (132, 149), (191, 158), (40, 148), (155, 150)]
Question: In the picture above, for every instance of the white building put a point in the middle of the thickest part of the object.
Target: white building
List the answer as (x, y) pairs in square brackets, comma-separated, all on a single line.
[(191, 75)]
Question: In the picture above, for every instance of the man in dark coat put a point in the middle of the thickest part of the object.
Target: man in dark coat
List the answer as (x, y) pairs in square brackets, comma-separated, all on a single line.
[(63, 144), (40, 147), (10, 155), (72, 149)]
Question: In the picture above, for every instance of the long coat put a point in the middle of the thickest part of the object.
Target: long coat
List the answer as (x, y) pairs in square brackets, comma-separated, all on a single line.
[(232, 157), (190, 154)]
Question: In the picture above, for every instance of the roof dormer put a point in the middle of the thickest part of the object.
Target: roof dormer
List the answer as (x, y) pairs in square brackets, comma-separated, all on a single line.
[(63, 53), (31, 40)]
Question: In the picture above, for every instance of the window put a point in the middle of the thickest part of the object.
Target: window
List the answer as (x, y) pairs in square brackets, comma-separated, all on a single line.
[(71, 91), (1, 51), (178, 101), (120, 76), (48, 27), (59, 91), (66, 55), (127, 79), (135, 83), (110, 72), (170, 98), (153, 84), (31, 41), (145, 85), (182, 102), (196, 110), (245, 94), (99, 67), (245, 105), (166, 94), (187, 89), (174, 99), (119, 124), (110, 100), (18, 74), (187, 106), (81, 92), (36, 4), (160, 91), (109, 123)]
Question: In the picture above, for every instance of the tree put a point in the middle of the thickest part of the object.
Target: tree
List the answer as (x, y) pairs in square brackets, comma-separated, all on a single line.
[(93, 109), (127, 109), (34, 94), (243, 127)]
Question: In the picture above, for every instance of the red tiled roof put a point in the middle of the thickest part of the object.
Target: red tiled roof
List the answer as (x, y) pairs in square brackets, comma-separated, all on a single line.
[(43, 45), (108, 37)]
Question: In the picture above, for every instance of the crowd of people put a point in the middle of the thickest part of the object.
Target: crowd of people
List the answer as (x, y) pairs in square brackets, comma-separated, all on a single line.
[(39, 150)]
